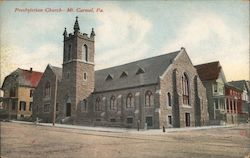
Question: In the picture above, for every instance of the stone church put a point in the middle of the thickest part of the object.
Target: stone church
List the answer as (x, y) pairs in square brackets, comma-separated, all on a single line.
[(159, 91)]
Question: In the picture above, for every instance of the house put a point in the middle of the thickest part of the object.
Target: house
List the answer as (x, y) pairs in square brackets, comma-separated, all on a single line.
[(224, 99), (244, 87), (18, 90), (213, 78), (159, 91), (233, 103)]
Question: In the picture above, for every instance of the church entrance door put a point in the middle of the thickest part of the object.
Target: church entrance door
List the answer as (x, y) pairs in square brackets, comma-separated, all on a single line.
[(187, 119), (68, 109)]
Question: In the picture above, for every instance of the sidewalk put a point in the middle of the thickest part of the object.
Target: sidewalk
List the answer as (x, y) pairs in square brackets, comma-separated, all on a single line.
[(124, 130)]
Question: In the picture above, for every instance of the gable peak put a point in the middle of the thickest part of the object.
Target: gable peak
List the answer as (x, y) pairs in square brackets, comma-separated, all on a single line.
[(124, 74), (140, 71)]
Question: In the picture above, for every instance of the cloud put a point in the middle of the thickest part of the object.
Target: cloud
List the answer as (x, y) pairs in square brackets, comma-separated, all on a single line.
[(123, 36), (208, 37), (30, 44), (30, 29), (38, 60)]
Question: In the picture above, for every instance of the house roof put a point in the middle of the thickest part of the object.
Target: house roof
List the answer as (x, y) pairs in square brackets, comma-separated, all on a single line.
[(24, 77), (29, 77), (138, 73), (209, 71), (229, 85), (240, 84)]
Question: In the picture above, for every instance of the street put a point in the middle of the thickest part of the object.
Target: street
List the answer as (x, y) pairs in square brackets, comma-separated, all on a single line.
[(29, 140)]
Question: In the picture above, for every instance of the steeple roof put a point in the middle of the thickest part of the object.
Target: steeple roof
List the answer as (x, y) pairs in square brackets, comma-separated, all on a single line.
[(76, 25)]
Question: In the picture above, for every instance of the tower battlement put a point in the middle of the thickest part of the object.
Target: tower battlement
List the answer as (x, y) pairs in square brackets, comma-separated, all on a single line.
[(78, 33)]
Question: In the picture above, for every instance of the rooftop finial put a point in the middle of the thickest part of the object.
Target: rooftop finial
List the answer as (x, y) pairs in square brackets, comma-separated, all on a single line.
[(76, 26), (65, 32), (92, 33)]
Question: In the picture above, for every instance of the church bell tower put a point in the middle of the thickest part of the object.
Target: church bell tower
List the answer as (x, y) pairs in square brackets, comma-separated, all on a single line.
[(78, 71)]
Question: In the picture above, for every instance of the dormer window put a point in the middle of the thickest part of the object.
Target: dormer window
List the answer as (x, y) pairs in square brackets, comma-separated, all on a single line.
[(109, 77), (124, 74), (140, 71)]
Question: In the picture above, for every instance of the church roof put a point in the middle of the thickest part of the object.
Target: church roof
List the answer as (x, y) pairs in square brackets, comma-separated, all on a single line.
[(57, 71), (138, 73), (209, 71)]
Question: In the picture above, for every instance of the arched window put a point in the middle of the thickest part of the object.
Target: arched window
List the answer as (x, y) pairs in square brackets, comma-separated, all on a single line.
[(169, 103), (98, 104), (85, 52), (112, 103), (47, 89), (185, 89), (149, 99), (69, 52), (130, 101)]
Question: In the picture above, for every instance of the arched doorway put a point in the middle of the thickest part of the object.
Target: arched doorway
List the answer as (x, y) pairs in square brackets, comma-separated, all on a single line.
[(68, 109)]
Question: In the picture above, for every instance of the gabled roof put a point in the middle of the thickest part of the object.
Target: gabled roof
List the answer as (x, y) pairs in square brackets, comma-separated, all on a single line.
[(29, 77), (209, 71), (229, 85), (152, 67), (24, 77), (57, 71), (240, 84)]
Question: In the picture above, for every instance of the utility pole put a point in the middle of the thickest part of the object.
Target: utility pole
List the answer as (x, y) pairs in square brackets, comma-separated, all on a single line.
[(9, 108), (54, 109)]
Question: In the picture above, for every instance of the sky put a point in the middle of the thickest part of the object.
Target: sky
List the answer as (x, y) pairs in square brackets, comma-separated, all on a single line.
[(127, 31)]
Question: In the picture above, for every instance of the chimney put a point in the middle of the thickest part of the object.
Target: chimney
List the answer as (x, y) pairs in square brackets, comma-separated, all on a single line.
[(31, 69)]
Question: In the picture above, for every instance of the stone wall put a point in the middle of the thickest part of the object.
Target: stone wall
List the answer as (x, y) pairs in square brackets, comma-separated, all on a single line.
[(120, 115), (171, 83), (40, 99), (75, 88)]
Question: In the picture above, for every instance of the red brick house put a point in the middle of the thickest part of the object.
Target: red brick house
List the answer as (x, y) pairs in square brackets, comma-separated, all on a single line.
[(234, 103)]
